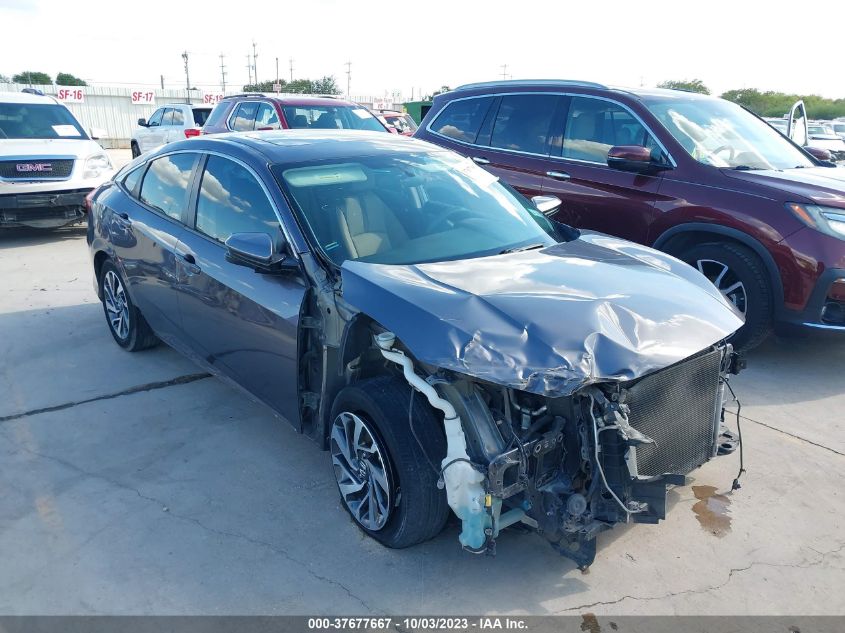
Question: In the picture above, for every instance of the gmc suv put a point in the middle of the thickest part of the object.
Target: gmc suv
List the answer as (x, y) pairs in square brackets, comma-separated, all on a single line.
[(696, 176)]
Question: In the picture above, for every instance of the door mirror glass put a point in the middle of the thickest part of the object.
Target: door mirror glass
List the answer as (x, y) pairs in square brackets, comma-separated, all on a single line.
[(142, 122), (796, 128), (546, 204)]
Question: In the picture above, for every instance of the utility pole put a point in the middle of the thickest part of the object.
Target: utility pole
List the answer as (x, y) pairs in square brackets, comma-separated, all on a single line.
[(222, 74), (348, 78), (504, 68), (187, 76), (291, 69), (254, 62), (277, 70), (162, 81), (249, 67)]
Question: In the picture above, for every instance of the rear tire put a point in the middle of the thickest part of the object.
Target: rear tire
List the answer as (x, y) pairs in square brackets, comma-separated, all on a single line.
[(126, 324), (417, 508), (136, 152), (742, 277)]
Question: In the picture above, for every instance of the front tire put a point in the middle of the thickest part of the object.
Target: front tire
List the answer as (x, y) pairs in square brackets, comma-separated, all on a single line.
[(126, 324), (387, 479), (742, 278)]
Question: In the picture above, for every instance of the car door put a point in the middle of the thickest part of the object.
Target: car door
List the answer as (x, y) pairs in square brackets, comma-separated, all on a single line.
[(517, 133), (149, 232), (148, 135), (595, 196), (241, 322)]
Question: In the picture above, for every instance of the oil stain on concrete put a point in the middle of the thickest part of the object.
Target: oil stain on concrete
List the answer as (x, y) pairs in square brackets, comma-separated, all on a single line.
[(712, 510)]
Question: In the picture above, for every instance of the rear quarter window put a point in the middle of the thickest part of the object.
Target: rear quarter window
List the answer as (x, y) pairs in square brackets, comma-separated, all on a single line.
[(462, 119), (201, 116)]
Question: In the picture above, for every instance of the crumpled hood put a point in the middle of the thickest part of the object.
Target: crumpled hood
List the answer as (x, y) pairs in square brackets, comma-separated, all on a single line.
[(549, 321), (824, 185)]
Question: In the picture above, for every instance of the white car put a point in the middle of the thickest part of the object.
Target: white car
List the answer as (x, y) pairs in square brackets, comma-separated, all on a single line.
[(48, 162), (823, 136), (171, 122)]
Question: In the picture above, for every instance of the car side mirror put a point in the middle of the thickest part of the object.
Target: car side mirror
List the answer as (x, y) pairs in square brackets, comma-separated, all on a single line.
[(818, 153), (257, 251), (142, 122), (546, 204), (635, 158)]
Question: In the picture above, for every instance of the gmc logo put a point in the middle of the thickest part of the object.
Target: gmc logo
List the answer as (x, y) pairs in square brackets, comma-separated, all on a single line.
[(29, 167)]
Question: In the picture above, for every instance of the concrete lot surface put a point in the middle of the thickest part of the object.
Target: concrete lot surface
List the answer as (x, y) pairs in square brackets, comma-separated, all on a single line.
[(130, 485)]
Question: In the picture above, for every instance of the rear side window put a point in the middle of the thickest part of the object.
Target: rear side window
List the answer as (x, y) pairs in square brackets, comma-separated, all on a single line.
[(201, 116), (462, 119), (165, 185), (267, 117), (168, 117), (130, 181), (523, 123), (232, 201), (593, 126), (178, 117), (244, 118)]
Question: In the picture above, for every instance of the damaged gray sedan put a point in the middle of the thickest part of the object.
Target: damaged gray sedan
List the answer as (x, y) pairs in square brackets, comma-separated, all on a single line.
[(448, 345)]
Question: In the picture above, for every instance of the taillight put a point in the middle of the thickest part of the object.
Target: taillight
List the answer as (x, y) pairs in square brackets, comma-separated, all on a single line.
[(192, 131), (89, 200)]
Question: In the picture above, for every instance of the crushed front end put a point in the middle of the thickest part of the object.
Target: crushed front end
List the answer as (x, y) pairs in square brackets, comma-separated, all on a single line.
[(571, 467)]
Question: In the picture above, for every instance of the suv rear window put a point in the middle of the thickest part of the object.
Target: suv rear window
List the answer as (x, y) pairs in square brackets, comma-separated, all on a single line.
[(38, 120), (331, 118), (201, 116), (462, 119)]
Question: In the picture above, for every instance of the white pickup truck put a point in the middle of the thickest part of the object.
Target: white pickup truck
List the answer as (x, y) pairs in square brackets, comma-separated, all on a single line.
[(48, 163)]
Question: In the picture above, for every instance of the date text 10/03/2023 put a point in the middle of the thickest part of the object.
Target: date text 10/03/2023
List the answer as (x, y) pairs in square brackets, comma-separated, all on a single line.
[(418, 623)]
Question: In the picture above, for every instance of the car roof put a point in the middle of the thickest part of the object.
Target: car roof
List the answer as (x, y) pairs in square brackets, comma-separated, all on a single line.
[(294, 146), (294, 100), (25, 97), (644, 94), (203, 106)]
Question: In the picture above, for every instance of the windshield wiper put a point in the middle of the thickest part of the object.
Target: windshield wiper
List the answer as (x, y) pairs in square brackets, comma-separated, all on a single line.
[(744, 168), (519, 249)]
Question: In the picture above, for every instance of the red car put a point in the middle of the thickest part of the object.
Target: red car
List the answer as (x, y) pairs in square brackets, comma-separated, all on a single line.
[(401, 122), (696, 176), (256, 111)]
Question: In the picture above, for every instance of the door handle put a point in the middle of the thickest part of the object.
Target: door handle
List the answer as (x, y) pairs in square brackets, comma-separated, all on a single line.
[(479, 160), (558, 175), (190, 263)]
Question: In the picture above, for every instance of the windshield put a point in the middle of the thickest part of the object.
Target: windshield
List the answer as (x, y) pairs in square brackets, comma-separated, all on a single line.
[(839, 128), (409, 208), (38, 120), (720, 133), (820, 129), (331, 118)]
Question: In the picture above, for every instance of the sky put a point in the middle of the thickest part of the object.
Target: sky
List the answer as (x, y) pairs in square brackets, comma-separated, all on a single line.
[(419, 46)]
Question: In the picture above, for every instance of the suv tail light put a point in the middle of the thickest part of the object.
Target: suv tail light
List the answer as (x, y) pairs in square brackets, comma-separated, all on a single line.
[(89, 200), (192, 131)]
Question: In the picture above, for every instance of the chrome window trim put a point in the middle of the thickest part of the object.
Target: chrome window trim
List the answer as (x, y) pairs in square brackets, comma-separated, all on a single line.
[(36, 159), (533, 154)]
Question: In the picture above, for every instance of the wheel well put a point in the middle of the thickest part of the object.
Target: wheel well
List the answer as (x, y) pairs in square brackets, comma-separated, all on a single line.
[(99, 259)]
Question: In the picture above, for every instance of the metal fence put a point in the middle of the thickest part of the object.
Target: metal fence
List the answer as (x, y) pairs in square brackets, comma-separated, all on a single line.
[(111, 108)]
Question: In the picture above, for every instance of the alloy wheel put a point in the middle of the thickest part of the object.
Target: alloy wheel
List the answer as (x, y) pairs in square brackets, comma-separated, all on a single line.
[(360, 468), (117, 305), (726, 281)]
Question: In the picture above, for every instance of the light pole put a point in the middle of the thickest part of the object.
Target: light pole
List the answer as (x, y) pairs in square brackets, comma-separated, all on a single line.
[(187, 77)]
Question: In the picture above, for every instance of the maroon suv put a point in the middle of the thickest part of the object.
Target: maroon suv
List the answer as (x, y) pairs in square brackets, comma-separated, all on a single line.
[(257, 111), (696, 176)]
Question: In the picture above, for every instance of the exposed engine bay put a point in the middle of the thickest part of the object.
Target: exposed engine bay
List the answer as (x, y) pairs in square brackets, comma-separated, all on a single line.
[(571, 467)]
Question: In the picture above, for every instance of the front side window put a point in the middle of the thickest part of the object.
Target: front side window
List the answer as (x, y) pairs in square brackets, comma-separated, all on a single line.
[(462, 119), (38, 120), (165, 185), (593, 126), (155, 119), (409, 208), (244, 118), (722, 134), (331, 118), (267, 118), (231, 201), (523, 123)]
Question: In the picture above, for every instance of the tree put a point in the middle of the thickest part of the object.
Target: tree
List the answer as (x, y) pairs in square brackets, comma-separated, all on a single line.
[(777, 104), (265, 86), (5, 80), (66, 79), (690, 85), (326, 85), (32, 77)]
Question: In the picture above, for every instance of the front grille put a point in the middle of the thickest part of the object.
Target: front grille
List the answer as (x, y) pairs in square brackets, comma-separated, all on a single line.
[(676, 407), (36, 169)]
